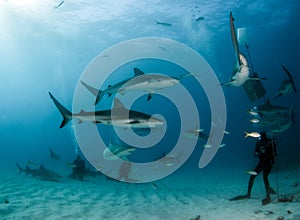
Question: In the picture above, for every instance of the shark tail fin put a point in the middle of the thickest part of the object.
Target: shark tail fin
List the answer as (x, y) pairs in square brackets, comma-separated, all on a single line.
[(67, 115), (20, 168)]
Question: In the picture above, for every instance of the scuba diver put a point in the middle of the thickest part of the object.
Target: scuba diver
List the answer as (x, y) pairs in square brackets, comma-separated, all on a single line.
[(265, 150), (78, 168)]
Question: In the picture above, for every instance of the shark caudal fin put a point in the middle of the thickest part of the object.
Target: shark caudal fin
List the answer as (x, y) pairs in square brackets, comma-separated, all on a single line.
[(67, 115)]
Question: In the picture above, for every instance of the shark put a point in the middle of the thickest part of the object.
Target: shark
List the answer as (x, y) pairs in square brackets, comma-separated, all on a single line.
[(114, 151), (196, 133), (151, 83), (287, 85), (167, 160), (111, 89), (283, 124), (241, 71), (134, 119), (276, 119), (269, 109), (148, 83), (41, 173)]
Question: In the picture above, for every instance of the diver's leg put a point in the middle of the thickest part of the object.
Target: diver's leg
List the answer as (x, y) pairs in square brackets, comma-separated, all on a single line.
[(257, 169), (250, 185), (266, 172)]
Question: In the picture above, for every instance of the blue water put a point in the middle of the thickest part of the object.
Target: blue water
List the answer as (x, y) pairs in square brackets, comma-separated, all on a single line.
[(46, 49)]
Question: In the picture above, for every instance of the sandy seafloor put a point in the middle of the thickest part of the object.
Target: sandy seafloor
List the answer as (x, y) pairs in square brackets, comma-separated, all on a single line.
[(179, 196)]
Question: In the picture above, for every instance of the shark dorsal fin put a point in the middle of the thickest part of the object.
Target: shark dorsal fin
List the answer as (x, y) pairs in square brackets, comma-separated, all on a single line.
[(82, 111), (118, 104), (138, 72), (268, 101)]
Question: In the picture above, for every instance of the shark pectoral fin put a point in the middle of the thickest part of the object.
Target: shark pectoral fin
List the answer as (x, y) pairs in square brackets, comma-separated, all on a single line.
[(133, 122), (90, 88), (150, 94)]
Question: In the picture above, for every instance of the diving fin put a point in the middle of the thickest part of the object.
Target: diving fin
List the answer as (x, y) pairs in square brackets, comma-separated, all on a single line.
[(239, 197)]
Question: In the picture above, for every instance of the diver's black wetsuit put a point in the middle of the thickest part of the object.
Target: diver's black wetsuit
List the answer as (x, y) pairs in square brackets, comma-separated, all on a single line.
[(265, 150), (78, 169)]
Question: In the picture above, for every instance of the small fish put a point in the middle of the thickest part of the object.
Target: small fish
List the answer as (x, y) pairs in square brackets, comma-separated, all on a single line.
[(57, 6), (221, 145), (200, 18), (254, 120), (207, 146), (226, 132), (31, 163), (154, 186), (71, 165), (252, 172), (252, 134), (252, 112), (163, 23)]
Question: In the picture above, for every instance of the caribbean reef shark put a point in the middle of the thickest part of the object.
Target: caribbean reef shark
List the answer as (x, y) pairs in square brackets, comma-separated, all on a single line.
[(119, 118), (41, 173), (148, 83), (241, 71), (111, 88), (114, 151)]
